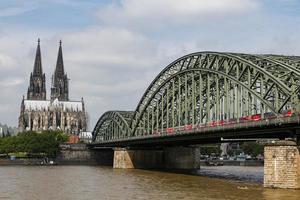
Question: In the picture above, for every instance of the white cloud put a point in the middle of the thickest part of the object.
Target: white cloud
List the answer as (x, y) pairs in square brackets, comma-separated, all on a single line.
[(6, 62), (8, 82), (109, 47), (172, 12)]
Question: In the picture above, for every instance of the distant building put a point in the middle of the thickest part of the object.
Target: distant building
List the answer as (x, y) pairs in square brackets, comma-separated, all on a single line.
[(58, 113), (73, 139), (6, 130), (86, 137)]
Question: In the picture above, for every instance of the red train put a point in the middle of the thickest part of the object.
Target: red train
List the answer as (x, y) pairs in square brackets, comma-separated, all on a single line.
[(251, 118)]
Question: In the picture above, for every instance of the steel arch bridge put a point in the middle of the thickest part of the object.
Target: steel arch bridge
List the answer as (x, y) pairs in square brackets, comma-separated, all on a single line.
[(206, 92)]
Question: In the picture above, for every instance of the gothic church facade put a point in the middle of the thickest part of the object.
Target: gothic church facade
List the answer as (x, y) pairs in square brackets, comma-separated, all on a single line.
[(58, 113)]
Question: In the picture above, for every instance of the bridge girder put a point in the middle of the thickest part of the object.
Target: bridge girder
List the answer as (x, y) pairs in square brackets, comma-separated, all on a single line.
[(210, 86)]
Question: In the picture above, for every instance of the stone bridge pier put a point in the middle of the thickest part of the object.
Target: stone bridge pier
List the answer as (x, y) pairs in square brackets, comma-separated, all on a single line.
[(177, 158), (282, 165)]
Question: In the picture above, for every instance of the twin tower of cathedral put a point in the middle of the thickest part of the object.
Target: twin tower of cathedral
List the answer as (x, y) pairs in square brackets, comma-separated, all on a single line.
[(37, 85), (59, 113)]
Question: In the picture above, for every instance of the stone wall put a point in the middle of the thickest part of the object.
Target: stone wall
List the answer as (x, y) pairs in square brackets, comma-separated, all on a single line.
[(24, 161), (79, 154), (75, 157), (282, 165)]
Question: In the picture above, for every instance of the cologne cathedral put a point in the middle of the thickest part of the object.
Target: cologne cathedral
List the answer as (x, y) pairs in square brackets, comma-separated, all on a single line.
[(58, 113)]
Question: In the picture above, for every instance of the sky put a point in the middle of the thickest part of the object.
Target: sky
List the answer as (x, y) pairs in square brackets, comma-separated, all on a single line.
[(113, 49)]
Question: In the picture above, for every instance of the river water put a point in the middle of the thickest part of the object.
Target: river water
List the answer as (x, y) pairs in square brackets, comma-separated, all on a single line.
[(94, 182)]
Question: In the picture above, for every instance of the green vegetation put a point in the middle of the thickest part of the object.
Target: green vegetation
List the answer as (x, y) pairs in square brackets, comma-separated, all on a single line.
[(252, 148), (210, 150), (234, 152), (31, 143)]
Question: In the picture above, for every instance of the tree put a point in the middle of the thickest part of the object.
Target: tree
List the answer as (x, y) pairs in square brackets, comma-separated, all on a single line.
[(45, 143), (252, 148), (209, 150)]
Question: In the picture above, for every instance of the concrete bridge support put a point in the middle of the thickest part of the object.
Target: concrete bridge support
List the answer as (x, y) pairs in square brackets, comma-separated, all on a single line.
[(123, 159), (177, 158), (282, 165), (140, 159)]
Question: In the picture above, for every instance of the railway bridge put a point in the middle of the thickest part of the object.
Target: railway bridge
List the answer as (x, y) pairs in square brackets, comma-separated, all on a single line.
[(208, 97)]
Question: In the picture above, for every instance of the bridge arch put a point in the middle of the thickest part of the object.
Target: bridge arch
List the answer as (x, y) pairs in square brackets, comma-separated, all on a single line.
[(222, 86), (205, 87), (113, 125)]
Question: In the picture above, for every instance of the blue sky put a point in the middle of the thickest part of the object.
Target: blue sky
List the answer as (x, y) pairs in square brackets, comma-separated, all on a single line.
[(49, 14), (114, 49)]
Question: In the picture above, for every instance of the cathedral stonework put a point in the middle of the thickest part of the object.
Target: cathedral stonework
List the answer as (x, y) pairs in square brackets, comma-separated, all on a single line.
[(58, 113)]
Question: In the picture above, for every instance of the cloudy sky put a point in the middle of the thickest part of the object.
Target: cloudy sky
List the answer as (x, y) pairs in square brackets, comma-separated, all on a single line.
[(113, 49)]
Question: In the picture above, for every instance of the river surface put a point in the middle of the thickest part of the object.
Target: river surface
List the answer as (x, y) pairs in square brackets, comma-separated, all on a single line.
[(88, 182), (241, 173)]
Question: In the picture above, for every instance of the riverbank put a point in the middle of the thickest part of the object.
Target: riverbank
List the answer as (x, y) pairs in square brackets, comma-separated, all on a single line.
[(72, 158), (237, 163), (23, 161), (43, 161)]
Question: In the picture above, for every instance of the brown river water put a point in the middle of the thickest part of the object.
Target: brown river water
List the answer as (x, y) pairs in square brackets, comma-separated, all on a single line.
[(94, 182)]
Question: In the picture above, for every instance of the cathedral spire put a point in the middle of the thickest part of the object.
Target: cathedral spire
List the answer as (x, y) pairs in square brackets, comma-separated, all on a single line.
[(37, 83), (59, 70), (37, 68), (60, 86)]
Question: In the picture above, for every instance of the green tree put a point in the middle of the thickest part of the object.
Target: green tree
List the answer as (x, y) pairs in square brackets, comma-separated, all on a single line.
[(45, 143), (209, 150), (252, 148)]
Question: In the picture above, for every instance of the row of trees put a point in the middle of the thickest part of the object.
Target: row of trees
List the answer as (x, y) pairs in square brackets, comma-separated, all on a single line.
[(34, 143)]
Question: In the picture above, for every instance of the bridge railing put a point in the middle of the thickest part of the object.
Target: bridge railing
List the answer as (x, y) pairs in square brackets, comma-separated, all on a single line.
[(217, 126), (249, 121)]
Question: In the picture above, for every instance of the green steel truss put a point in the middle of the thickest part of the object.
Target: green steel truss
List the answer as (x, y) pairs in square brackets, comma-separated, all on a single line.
[(206, 87), (113, 125)]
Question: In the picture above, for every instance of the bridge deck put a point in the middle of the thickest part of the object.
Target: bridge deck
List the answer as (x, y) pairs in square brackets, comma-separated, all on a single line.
[(274, 128)]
